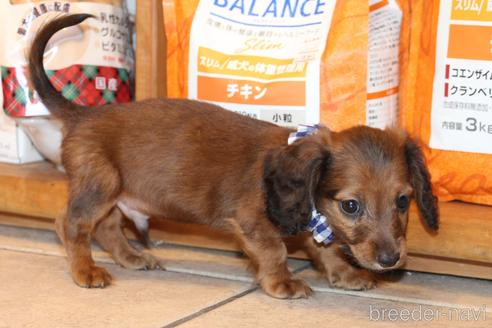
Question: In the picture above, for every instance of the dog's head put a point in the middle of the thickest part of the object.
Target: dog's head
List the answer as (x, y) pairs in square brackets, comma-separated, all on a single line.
[(362, 179)]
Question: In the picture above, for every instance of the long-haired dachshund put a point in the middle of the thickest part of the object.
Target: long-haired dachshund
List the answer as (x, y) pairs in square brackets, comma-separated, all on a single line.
[(191, 161)]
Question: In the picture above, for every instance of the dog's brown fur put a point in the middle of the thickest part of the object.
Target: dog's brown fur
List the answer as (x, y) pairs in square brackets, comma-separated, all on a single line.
[(195, 162)]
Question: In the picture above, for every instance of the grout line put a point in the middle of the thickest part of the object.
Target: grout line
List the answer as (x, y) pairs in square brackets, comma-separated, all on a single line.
[(28, 250), (108, 260), (168, 268), (163, 245), (366, 294), (302, 268), (391, 298), (386, 297), (214, 275), (223, 302), (210, 308)]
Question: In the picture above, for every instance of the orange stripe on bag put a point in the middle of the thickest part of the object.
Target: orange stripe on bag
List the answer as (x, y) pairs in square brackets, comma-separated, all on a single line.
[(382, 94), (479, 36), (378, 5), (290, 93)]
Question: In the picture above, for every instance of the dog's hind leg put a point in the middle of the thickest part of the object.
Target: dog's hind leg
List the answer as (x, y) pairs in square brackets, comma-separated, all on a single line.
[(109, 234), (339, 273), (94, 187), (264, 246)]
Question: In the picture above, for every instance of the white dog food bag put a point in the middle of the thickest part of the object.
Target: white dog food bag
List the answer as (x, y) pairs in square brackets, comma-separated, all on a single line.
[(15, 146), (90, 64)]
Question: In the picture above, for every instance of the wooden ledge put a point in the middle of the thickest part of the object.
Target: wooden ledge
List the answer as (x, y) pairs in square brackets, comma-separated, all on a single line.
[(32, 189)]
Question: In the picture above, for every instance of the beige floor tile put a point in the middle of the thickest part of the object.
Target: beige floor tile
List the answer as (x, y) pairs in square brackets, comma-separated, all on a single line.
[(212, 263), (205, 262), (424, 288), (331, 310), (36, 291)]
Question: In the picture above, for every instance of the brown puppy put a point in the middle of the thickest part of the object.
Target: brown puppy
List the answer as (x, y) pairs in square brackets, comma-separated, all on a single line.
[(195, 162)]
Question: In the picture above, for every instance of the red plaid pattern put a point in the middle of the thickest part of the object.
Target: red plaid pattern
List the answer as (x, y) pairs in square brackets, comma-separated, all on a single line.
[(10, 85), (108, 72), (123, 94), (91, 95), (72, 82)]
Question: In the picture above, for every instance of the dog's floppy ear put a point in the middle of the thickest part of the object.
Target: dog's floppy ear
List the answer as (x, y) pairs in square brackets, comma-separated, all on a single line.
[(291, 175), (421, 183)]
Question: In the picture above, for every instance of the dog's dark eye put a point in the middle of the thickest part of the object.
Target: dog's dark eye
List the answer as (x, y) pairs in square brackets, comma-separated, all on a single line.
[(350, 207), (402, 203)]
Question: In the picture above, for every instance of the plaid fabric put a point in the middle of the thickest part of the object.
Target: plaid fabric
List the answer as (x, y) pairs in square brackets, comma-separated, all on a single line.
[(86, 85), (303, 131), (318, 224), (14, 97)]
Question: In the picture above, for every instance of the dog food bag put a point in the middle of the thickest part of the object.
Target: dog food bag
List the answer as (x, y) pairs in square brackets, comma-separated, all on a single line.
[(15, 146), (289, 62), (447, 94), (89, 64)]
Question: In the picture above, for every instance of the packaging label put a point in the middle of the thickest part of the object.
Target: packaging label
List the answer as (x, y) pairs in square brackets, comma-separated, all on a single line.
[(8, 136), (462, 93), (88, 64), (385, 17), (260, 58)]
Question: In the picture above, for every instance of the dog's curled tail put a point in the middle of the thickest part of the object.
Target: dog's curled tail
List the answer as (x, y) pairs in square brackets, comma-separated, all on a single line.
[(59, 106)]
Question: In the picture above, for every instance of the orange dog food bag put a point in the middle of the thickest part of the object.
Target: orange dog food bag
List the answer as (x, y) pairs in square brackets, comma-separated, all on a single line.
[(447, 95), (289, 62)]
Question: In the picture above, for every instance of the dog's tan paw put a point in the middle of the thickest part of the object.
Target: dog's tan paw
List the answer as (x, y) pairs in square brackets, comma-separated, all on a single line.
[(351, 278), (139, 261), (290, 288), (92, 277)]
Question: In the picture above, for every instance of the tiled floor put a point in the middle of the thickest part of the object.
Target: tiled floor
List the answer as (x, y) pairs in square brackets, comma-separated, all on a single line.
[(206, 288)]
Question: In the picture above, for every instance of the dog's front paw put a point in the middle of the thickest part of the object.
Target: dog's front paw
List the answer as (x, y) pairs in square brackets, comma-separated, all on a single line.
[(140, 261), (91, 277), (350, 278), (288, 288)]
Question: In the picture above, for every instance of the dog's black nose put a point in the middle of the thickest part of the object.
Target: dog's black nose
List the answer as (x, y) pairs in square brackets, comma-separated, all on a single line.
[(387, 259)]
